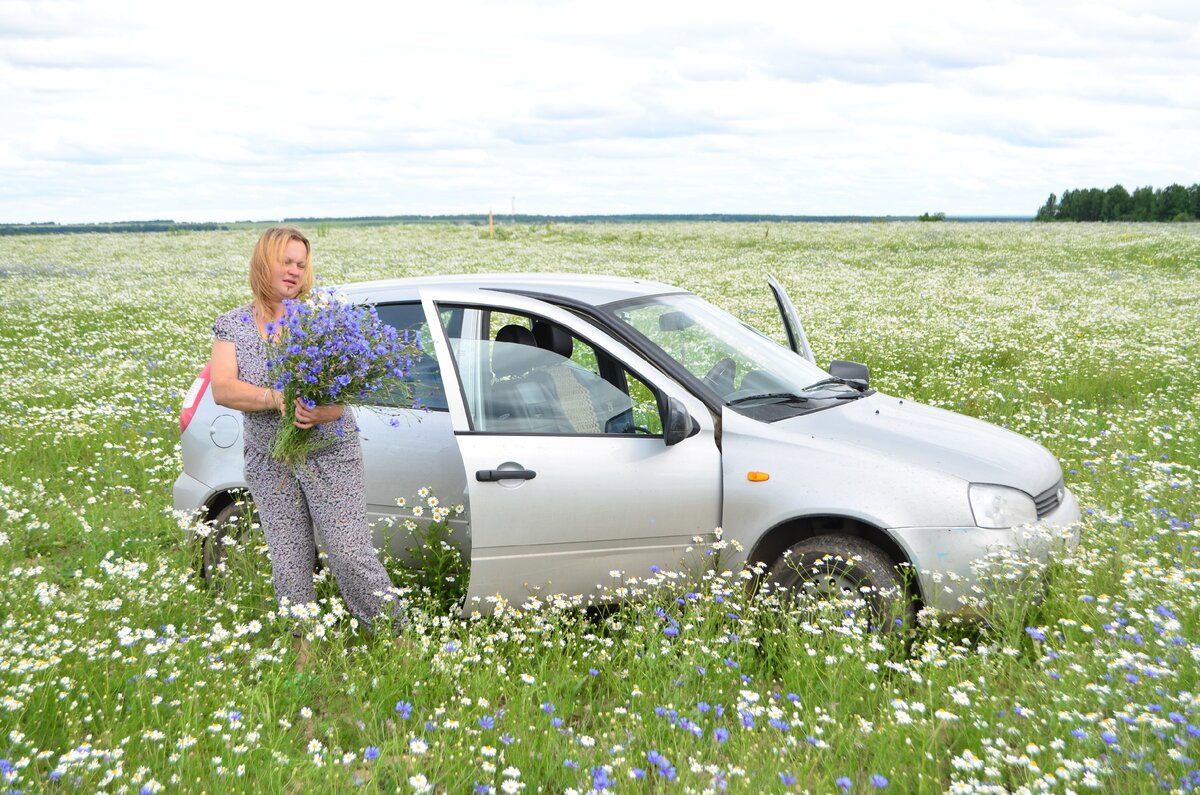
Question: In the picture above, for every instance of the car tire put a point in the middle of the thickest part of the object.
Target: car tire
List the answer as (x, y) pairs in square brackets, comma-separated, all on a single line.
[(229, 521), (846, 566)]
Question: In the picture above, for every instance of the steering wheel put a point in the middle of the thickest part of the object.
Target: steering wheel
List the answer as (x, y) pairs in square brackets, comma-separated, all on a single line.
[(720, 378)]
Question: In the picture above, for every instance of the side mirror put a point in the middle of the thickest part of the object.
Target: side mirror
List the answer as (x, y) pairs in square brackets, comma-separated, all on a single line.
[(679, 424), (851, 371), (675, 321)]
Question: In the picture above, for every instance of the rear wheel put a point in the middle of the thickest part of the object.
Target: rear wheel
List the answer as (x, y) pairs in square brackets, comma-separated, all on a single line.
[(849, 569), (230, 527)]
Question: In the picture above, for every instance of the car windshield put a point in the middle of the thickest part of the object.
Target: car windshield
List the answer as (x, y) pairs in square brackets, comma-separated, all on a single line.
[(740, 364)]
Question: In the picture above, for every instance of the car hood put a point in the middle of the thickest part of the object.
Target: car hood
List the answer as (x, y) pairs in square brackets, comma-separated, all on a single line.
[(955, 444)]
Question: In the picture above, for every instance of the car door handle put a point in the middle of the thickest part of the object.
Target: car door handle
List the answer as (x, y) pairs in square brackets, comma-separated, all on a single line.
[(485, 475)]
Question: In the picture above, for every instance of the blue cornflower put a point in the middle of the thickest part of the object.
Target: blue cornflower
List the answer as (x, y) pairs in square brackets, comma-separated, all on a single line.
[(594, 671), (1078, 734), (844, 783), (721, 734), (404, 708), (600, 779), (878, 781), (371, 753), (487, 722), (787, 779), (547, 707), (1035, 633)]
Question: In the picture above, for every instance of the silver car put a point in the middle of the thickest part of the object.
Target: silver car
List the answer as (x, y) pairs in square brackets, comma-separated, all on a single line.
[(598, 424)]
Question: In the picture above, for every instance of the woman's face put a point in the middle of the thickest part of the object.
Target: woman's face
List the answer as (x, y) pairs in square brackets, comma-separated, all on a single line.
[(287, 272)]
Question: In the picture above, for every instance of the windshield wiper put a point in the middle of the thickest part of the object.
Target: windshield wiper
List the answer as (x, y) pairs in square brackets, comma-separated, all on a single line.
[(836, 380), (783, 397)]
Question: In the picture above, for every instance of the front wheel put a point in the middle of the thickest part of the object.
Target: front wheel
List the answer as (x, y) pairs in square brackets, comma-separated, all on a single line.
[(837, 567)]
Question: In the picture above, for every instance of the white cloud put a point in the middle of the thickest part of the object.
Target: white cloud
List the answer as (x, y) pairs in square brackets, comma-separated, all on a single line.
[(128, 109)]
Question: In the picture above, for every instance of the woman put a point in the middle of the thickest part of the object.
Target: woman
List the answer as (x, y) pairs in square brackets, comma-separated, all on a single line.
[(328, 488)]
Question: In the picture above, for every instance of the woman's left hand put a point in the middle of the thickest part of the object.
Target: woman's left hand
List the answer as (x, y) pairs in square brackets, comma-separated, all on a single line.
[(307, 418)]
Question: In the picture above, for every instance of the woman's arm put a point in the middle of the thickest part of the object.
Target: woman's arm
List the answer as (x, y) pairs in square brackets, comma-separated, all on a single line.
[(231, 393)]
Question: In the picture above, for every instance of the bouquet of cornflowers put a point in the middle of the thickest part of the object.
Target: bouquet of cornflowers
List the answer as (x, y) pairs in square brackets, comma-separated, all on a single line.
[(328, 350)]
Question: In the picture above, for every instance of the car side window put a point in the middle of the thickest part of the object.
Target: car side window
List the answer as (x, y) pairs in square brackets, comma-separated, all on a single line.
[(525, 374), (424, 377)]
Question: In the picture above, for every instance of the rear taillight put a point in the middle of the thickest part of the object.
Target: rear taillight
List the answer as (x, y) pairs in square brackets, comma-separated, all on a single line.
[(192, 398)]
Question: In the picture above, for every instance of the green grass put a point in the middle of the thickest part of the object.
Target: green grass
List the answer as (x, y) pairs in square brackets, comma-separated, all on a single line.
[(122, 670)]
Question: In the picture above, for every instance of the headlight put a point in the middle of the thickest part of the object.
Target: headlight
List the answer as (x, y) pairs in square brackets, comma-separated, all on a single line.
[(999, 506)]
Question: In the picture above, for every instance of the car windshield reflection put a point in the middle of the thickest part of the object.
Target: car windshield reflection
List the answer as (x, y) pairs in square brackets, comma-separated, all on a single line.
[(732, 359)]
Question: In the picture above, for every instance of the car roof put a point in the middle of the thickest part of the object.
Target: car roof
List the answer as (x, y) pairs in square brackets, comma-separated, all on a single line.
[(585, 288)]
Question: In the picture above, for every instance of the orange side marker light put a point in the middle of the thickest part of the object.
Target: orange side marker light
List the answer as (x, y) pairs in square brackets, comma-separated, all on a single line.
[(757, 477)]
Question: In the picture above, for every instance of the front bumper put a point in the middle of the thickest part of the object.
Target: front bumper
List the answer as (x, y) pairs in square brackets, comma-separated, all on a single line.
[(957, 568)]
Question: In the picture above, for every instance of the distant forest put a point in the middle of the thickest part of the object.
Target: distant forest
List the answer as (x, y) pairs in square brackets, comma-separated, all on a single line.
[(52, 228), (1172, 203)]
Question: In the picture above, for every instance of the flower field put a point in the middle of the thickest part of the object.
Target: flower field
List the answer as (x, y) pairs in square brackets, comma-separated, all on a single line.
[(121, 670)]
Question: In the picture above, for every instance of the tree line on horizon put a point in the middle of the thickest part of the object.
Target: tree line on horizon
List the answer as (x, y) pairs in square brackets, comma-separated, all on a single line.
[(52, 228), (1172, 203)]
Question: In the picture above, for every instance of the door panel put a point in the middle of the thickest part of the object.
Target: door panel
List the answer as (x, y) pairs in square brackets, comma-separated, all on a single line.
[(408, 449), (611, 498), (418, 451), (594, 505)]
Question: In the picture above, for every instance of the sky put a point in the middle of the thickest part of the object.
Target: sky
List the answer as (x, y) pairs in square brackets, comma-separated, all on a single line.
[(224, 111)]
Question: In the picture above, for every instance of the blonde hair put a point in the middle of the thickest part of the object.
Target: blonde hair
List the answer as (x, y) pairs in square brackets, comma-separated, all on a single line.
[(268, 250)]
